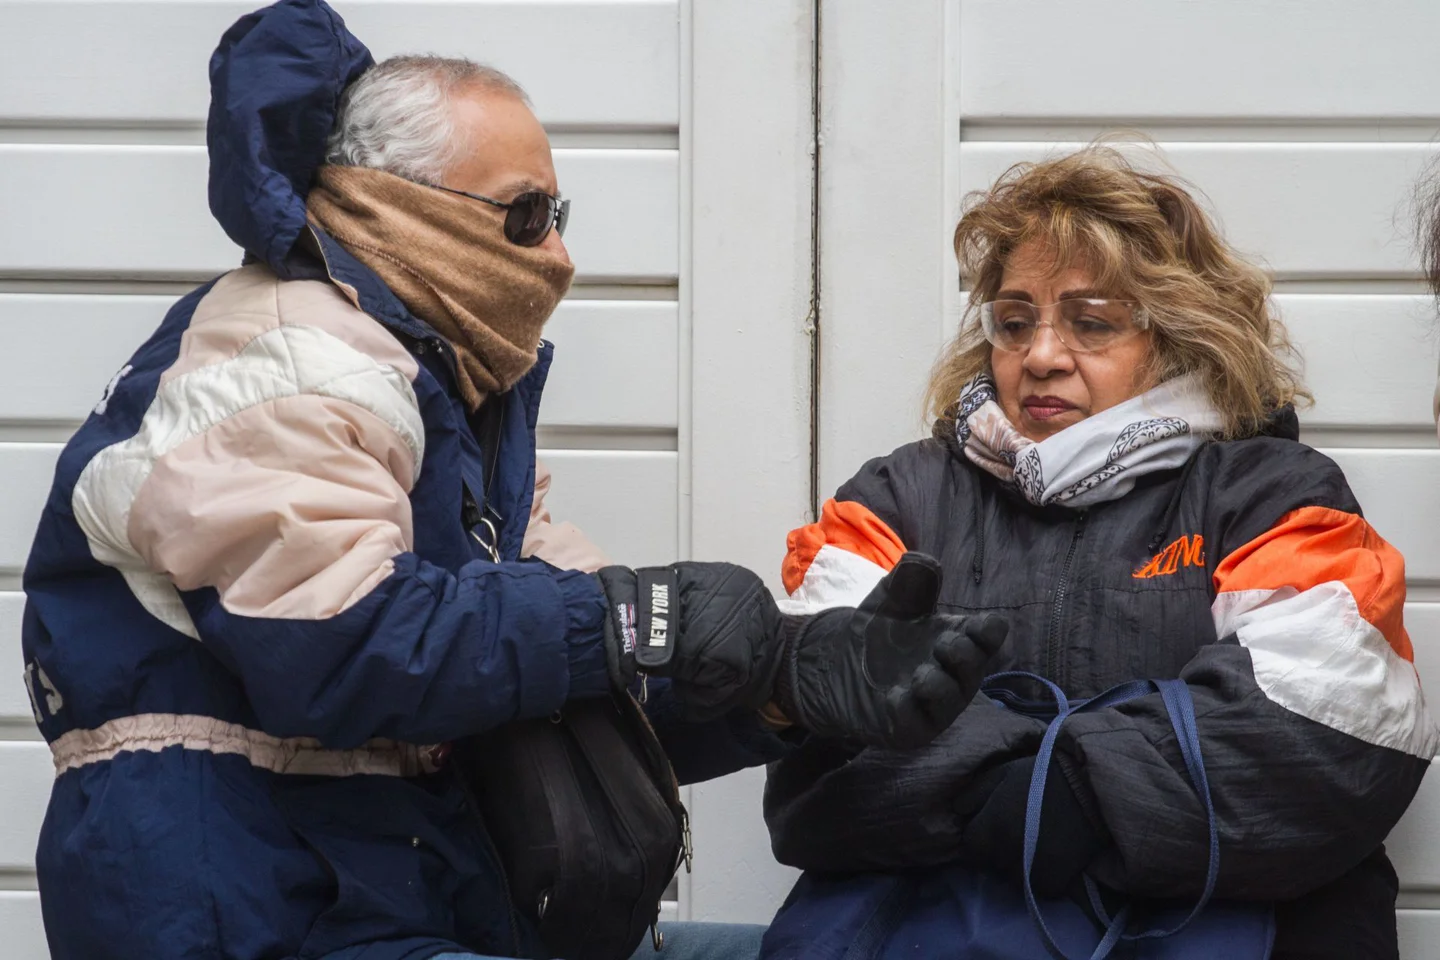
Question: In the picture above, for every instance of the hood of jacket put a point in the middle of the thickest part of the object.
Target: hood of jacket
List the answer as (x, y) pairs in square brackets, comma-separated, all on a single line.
[(276, 80)]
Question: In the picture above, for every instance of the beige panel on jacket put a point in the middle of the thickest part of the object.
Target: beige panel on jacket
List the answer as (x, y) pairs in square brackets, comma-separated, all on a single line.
[(558, 544)]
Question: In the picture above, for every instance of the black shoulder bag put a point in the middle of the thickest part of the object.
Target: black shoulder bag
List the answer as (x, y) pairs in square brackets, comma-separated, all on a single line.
[(585, 813), (584, 810)]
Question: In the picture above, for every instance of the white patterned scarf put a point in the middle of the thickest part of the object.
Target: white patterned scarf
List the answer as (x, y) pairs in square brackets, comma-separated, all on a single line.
[(1095, 460)]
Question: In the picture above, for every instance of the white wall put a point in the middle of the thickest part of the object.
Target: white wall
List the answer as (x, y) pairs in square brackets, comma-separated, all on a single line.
[(665, 365), (1305, 123)]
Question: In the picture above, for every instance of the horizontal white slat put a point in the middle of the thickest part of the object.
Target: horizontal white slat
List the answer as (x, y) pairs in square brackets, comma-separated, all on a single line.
[(120, 209), (1308, 209), (64, 348), (590, 63), (626, 500), (1413, 845), (1396, 489), (616, 365), (26, 773), (28, 469), (1369, 360), (615, 362), (24, 934), (1318, 59), (1422, 622), (1419, 934), (14, 701)]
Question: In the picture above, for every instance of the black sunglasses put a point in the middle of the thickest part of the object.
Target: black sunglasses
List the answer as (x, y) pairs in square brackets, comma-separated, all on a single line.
[(529, 217)]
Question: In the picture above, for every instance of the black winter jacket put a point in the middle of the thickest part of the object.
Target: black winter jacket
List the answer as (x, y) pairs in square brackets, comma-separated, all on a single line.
[(1251, 574)]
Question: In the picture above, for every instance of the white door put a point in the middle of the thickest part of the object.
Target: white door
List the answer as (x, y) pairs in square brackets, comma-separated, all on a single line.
[(677, 422), (1305, 123)]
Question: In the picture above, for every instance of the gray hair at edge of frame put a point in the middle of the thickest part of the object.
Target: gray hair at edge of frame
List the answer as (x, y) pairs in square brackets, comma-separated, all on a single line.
[(1425, 208), (397, 116)]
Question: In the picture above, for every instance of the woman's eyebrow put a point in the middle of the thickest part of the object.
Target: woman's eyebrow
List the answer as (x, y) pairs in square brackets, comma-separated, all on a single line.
[(1085, 293)]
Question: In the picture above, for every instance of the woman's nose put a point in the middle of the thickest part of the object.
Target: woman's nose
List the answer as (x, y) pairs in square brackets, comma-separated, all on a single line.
[(1047, 354)]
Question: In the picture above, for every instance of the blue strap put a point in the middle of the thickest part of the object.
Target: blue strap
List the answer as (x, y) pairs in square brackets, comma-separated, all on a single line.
[(1181, 705), (994, 689), (1181, 708)]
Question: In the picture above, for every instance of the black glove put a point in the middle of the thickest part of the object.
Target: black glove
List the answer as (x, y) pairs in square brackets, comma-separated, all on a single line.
[(995, 834), (713, 628), (891, 673)]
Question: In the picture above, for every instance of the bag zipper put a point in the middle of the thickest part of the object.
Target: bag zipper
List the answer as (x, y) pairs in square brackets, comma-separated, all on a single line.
[(1053, 660)]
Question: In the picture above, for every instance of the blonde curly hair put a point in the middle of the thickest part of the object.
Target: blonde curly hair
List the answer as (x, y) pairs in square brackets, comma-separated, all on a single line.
[(1145, 238)]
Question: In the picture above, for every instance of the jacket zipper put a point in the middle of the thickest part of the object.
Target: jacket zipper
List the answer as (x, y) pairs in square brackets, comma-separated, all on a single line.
[(1053, 660)]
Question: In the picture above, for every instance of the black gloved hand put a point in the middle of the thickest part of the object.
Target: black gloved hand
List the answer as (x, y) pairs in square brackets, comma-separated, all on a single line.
[(713, 628), (995, 834), (891, 673)]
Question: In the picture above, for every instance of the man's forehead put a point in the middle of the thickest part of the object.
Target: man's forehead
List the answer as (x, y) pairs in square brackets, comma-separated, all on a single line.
[(491, 115), (505, 148)]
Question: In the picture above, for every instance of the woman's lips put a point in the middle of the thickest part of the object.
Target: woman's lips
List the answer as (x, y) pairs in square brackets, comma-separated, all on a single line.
[(1045, 408)]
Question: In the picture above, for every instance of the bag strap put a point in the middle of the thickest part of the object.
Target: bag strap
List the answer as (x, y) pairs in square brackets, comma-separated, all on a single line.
[(1181, 707), (1121, 693)]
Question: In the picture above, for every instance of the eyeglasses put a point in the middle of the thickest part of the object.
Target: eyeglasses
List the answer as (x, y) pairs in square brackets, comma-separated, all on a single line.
[(1083, 326), (529, 217)]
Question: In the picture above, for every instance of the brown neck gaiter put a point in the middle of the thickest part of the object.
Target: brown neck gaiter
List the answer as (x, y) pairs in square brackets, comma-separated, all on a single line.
[(448, 261)]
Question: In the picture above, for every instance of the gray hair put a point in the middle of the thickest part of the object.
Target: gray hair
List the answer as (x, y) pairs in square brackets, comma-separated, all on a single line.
[(397, 116)]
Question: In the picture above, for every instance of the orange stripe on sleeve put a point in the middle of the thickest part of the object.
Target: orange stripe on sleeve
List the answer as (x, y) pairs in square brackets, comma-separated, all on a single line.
[(1315, 545), (844, 524)]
